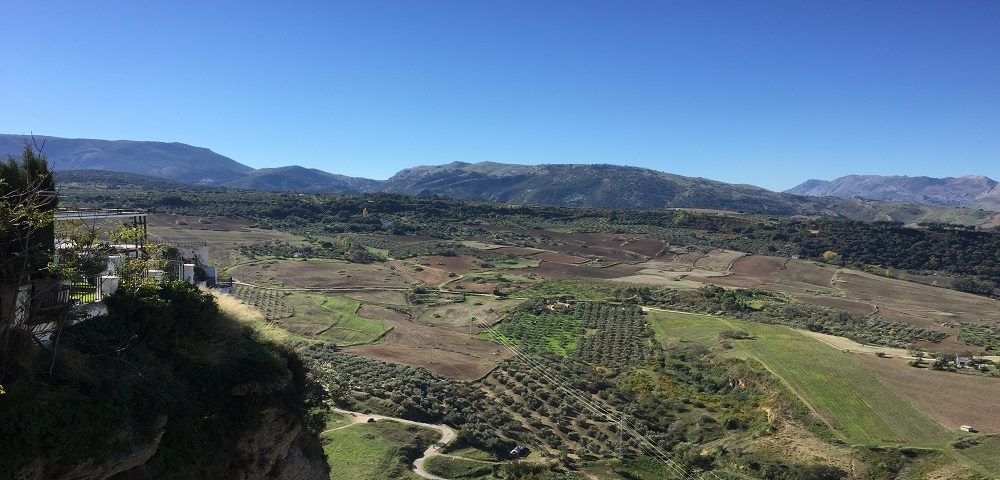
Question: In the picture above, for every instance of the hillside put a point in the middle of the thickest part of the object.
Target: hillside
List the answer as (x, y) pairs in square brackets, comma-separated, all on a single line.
[(570, 185), (173, 161), (971, 191), (300, 179), (573, 185), (105, 180)]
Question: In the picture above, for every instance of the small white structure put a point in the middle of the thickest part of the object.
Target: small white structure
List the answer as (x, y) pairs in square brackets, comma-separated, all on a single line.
[(967, 428), (107, 285), (187, 273)]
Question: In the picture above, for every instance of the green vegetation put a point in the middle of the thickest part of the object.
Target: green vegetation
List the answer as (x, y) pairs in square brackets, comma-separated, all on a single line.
[(961, 251), (268, 300), (768, 307), (572, 289), (534, 328), (350, 328), (375, 451), (313, 316), (162, 360), (843, 392), (448, 467), (413, 393), (985, 336), (984, 451)]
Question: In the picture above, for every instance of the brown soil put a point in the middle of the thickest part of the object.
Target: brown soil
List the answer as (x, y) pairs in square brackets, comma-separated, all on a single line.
[(517, 251), (406, 238), (377, 312), (223, 236), (808, 273), (448, 363), (644, 246), (950, 398), (385, 297), (454, 354), (560, 271), (852, 306), (429, 275), (319, 274), (457, 264), (457, 316), (793, 441), (718, 260), (559, 258), (757, 268)]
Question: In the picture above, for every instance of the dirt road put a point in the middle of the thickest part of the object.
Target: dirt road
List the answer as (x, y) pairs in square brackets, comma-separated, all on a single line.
[(447, 435)]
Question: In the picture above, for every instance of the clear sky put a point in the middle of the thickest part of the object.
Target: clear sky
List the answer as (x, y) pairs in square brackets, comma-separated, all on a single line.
[(769, 93)]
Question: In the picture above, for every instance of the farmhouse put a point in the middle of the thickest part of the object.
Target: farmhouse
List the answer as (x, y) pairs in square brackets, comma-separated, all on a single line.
[(962, 362), (559, 305)]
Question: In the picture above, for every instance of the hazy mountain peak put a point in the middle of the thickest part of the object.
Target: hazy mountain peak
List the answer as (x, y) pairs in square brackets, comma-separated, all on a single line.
[(970, 191)]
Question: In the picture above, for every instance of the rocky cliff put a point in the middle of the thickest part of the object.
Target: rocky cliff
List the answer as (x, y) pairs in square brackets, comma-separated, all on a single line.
[(163, 386)]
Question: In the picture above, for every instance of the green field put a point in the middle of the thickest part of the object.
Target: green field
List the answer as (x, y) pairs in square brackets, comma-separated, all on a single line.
[(375, 451), (553, 332), (335, 319), (519, 262), (844, 393), (351, 328), (448, 467), (986, 453)]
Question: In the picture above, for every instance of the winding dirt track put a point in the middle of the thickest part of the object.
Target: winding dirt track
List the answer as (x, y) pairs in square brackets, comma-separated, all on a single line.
[(447, 435)]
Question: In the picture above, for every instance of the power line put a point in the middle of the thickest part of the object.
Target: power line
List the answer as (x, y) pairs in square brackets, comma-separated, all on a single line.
[(607, 412)]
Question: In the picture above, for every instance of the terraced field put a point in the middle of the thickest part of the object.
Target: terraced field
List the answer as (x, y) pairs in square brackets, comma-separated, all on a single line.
[(351, 328), (842, 391), (332, 319)]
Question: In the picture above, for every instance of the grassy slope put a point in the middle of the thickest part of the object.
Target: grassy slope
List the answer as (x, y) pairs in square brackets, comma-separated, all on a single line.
[(843, 392), (373, 450), (448, 467)]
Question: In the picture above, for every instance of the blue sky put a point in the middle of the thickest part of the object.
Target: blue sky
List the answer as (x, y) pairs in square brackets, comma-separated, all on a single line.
[(769, 93)]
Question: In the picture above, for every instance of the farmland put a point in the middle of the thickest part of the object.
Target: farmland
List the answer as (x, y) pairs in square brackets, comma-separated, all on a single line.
[(421, 307), (842, 391)]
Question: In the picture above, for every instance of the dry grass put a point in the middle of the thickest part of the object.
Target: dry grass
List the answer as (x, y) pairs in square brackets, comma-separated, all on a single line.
[(248, 315), (950, 398)]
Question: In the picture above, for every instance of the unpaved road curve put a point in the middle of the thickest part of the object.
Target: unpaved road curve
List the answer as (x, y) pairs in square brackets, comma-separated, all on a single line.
[(447, 435)]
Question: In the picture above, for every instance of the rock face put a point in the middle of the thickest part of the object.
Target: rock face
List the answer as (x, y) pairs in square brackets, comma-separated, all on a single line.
[(971, 191), (136, 455), (276, 448)]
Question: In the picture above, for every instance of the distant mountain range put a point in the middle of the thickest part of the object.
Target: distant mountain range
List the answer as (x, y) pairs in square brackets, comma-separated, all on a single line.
[(92, 162), (971, 191), (173, 161)]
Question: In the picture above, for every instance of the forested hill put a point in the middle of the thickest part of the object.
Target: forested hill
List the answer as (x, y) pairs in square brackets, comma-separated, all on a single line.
[(301, 179), (603, 186)]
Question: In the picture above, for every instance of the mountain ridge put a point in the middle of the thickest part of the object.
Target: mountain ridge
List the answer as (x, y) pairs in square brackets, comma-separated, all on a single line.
[(969, 191), (572, 185)]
